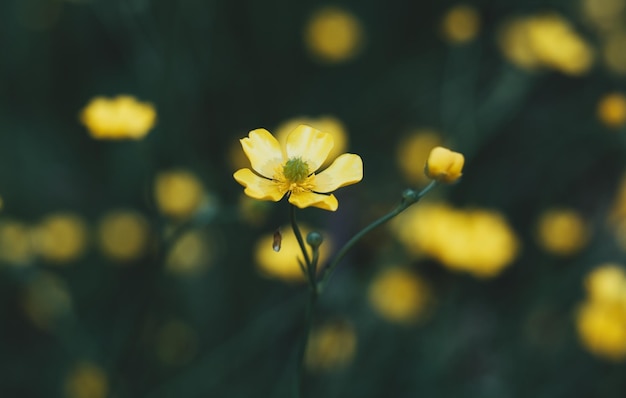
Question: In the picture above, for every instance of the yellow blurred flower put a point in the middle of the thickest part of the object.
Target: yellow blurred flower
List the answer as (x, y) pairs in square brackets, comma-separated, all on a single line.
[(191, 253), (412, 154), (283, 264), (399, 295), (477, 241), (331, 346), (60, 238), (176, 343), (178, 193), (333, 35), (86, 380), (123, 235), (16, 246), (444, 165), (546, 40), (460, 24), (562, 231), (290, 170), (612, 110), (613, 52), (327, 124), (46, 300), (121, 117), (607, 284), (602, 330)]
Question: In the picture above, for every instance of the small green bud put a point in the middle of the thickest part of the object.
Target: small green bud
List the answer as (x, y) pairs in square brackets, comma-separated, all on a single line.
[(314, 239), (409, 195)]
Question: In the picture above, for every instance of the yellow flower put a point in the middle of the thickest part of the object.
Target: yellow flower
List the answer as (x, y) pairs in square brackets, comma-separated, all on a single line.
[(460, 24), (333, 35), (546, 40), (16, 246), (178, 193), (123, 235), (122, 117), (562, 231), (612, 110), (291, 170), (477, 241), (398, 295), (602, 330), (444, 165), (331, 346), (60, 238), (607, 284), (283, 264)]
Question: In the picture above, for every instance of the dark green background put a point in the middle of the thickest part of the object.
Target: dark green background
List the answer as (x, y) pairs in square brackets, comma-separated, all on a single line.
[(217, 69)]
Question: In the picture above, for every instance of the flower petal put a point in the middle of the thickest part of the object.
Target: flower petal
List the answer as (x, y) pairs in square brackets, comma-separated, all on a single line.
[(306, 199), (346, 169), (309, 144), (258, 187), (264, 152)]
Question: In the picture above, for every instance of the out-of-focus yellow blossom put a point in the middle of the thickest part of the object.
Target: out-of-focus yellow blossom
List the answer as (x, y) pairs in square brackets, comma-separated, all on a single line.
[(562, 231), (290, 169), (60, 238), (601, 319), (176, 343), (86, 380), (178, 193), (460, 24), (327, 124), (477, 241), (605, 15), (333, 35), (612, 110), (444, 165), (16, 246), (546, 40), (191, 253), (602, 329), (283, 264), (613, 52), (607, 284), (123, 235), (121, 117), (46, 300), (331, 346), (412, 154), (399, 295)]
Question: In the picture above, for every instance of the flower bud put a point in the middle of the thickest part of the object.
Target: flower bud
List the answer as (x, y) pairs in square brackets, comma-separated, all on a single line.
[(314, 239), (444, 165)]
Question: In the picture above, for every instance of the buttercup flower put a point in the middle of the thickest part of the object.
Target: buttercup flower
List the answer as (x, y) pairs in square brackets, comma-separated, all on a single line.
[(122, 117), (291, 170), (444, 165)]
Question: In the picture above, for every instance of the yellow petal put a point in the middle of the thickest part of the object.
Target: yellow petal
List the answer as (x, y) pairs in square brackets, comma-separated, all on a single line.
[(309, 144), (258, 187), (264, 152), (306, 199), (346, 169)]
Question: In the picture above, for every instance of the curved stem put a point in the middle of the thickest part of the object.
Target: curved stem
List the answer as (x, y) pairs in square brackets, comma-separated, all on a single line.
[(408, 198)]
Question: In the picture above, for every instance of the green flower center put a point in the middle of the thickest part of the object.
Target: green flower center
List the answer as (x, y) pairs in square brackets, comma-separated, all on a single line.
[(296, 170)]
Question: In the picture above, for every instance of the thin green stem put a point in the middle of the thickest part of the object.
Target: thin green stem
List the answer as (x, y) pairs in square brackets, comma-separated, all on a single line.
[(308, 323), (409, 197), (296, 231)]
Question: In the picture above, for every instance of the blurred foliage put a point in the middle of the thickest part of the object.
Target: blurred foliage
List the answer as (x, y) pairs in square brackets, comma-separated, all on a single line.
[(128, 268)]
